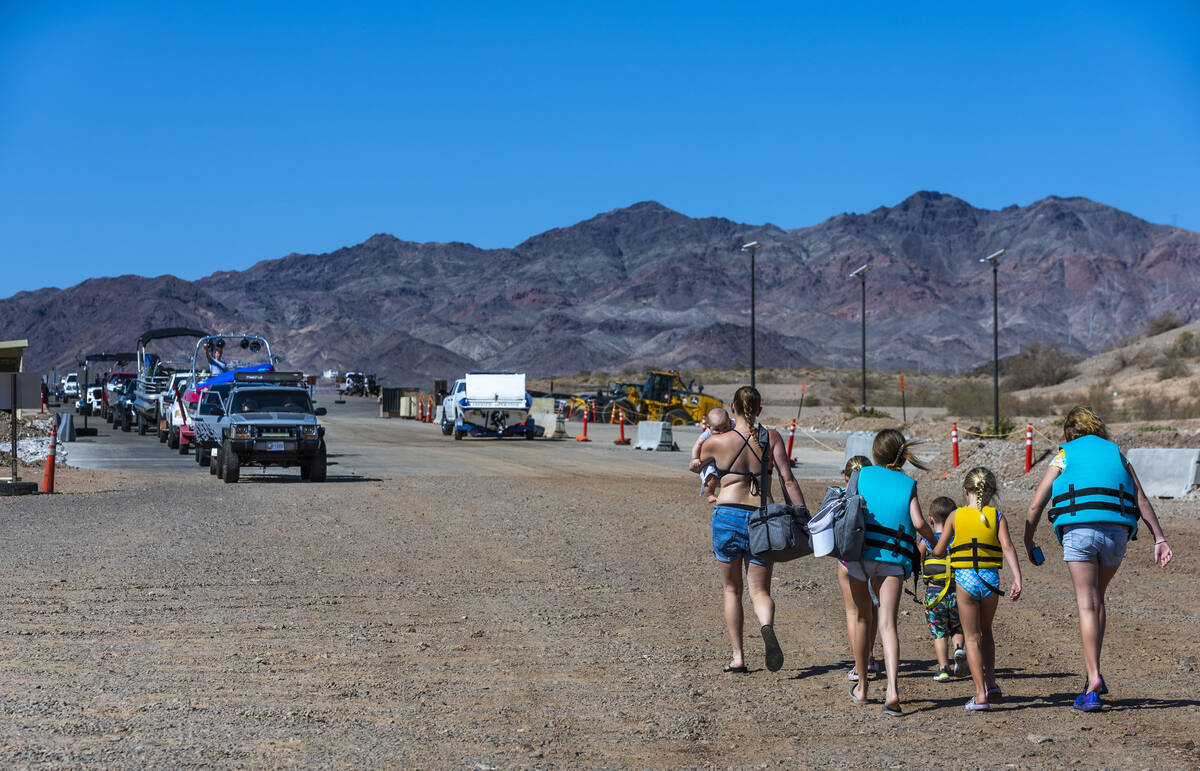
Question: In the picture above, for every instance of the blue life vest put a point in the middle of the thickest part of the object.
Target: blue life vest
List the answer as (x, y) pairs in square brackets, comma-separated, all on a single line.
[(890, 536), (1095, 488)]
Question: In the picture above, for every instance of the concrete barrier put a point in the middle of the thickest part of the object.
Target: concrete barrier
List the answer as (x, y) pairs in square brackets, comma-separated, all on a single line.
[(439, 414), (858, 443), (1164, 473), (552, 423), (66, 427), (655, 435)]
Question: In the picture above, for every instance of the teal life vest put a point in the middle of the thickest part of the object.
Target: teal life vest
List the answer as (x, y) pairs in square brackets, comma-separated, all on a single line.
[(1095, 488), (890, 536)]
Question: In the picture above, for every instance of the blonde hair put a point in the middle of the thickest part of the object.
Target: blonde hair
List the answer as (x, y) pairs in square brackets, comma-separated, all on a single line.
[(855, 464), (892, 450), (1083, 421), (747, 402), (982, 482)]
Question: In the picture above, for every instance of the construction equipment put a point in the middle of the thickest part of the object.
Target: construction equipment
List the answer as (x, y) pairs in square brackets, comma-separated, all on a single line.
[(663, 396)]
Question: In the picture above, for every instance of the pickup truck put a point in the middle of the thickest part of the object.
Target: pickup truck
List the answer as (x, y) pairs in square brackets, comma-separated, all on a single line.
[(493, 404), (268, 419)]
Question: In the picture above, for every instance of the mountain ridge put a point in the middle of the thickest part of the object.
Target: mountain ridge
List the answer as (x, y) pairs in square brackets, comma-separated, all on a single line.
[(645, 285)]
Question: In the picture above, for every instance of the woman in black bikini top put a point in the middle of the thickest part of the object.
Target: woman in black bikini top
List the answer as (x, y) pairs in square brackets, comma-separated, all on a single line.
[(737, 456)]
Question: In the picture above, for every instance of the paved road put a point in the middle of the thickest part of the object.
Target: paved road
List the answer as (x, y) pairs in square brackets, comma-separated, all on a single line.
[(361, 444)]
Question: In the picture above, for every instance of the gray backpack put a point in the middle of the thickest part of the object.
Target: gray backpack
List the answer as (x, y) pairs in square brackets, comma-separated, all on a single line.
[(847, 509)]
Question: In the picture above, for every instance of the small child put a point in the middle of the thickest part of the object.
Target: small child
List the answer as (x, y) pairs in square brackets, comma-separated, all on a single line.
[(718, 423), (975, 536), (941, 607), (856, 463)]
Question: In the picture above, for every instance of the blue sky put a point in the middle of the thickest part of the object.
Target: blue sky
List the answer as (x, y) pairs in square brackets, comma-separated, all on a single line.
[(180, 138)]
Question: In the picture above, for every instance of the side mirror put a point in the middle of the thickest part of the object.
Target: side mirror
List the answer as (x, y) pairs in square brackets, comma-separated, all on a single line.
[(319, 411)]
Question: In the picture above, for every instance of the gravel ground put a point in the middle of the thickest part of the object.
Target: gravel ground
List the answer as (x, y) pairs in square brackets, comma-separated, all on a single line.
[(540, 619)]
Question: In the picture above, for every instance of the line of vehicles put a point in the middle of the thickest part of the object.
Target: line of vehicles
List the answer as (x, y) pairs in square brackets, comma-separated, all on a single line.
[(226, 404)]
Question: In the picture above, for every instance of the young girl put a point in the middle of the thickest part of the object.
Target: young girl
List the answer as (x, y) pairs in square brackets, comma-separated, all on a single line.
[(856, 463), (975, 536)]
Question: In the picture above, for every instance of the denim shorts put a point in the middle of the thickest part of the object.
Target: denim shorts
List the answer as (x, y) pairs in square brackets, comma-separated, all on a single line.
[(730, 533), (1104, 543)]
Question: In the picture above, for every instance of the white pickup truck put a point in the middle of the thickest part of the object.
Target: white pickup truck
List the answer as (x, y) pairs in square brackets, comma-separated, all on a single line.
[(491, 404)]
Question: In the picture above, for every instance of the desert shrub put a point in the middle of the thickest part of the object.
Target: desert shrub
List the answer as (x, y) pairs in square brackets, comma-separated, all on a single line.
[(1037, 366), (1006, 427), (812, 401), (970, 399), (1170, 368), (1100, 399), (1034, 406), (1140, 358), (847, 388), (870, 412), (1163, 322), (1184, 346), (1155, 427), (1149, 405)]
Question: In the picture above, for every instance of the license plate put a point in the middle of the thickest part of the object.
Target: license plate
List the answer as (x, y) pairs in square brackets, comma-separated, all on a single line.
[(274, 446)]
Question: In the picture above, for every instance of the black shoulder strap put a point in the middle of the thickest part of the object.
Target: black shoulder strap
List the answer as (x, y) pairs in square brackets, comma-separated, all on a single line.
[(764, 479)]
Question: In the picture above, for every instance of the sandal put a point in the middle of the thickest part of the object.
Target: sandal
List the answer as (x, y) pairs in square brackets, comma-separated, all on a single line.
[(774, 653), (736, 670), (973, 707), (892, 711), (854, 698)]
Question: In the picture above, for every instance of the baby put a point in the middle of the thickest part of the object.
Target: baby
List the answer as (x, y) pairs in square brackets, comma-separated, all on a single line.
[(718, 423)]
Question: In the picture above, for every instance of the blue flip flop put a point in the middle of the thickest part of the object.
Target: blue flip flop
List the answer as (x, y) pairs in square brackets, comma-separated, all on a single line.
[(1088, 702)]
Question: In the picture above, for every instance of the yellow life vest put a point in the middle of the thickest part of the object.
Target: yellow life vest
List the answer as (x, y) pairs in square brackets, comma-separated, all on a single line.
[(976, 543), (938, 574)]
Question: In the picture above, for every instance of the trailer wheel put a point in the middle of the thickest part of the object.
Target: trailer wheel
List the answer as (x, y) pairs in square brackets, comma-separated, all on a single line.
[(458, 433), (126, 422), (203, 456), (447, 427), (162, 433), (141, 425), (183, 448), (173, 439), (231, 466)]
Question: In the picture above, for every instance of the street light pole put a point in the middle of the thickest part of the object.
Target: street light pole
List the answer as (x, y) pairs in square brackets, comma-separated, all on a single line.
[(753, 248), (994, 259), (861, 275)]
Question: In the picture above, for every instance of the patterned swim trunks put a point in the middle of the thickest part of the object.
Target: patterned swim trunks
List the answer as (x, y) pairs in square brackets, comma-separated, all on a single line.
[(943, 617)]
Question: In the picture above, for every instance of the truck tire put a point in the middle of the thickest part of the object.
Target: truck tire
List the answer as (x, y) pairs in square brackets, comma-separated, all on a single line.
[(183, 448), (231, 466), (458, 434), (142, 426), (447, 427), (172, 439), (677, 416), (126, 421), (203, 456), (162, 433), (317, 466)]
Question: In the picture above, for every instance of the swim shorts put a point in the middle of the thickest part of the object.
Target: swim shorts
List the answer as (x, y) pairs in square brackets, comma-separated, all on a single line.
[(943, 617), (1103, 543), (860, 571), (976, 582), (730, 533)]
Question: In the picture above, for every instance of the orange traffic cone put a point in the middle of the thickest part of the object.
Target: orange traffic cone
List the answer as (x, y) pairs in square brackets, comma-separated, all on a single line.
[(584, 437), (622, 439), (51, 459)]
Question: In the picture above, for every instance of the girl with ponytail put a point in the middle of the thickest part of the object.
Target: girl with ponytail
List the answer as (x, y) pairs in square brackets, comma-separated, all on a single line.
[(738, 455), (976, 537), (892, 519)]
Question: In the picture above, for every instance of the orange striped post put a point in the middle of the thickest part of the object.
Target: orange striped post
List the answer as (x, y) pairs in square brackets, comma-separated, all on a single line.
[(48, 473), (954, 441), (1028, 447), (621, 439), (584, 437)]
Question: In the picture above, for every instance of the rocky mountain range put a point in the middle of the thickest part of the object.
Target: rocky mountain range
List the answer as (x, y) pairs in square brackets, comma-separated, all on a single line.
[(646, 286)]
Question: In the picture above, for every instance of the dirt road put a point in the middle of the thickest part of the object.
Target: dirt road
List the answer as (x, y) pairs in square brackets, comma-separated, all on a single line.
[(501, 613)]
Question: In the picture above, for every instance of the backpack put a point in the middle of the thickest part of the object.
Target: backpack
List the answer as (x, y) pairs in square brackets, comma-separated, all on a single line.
[(842, 510)]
